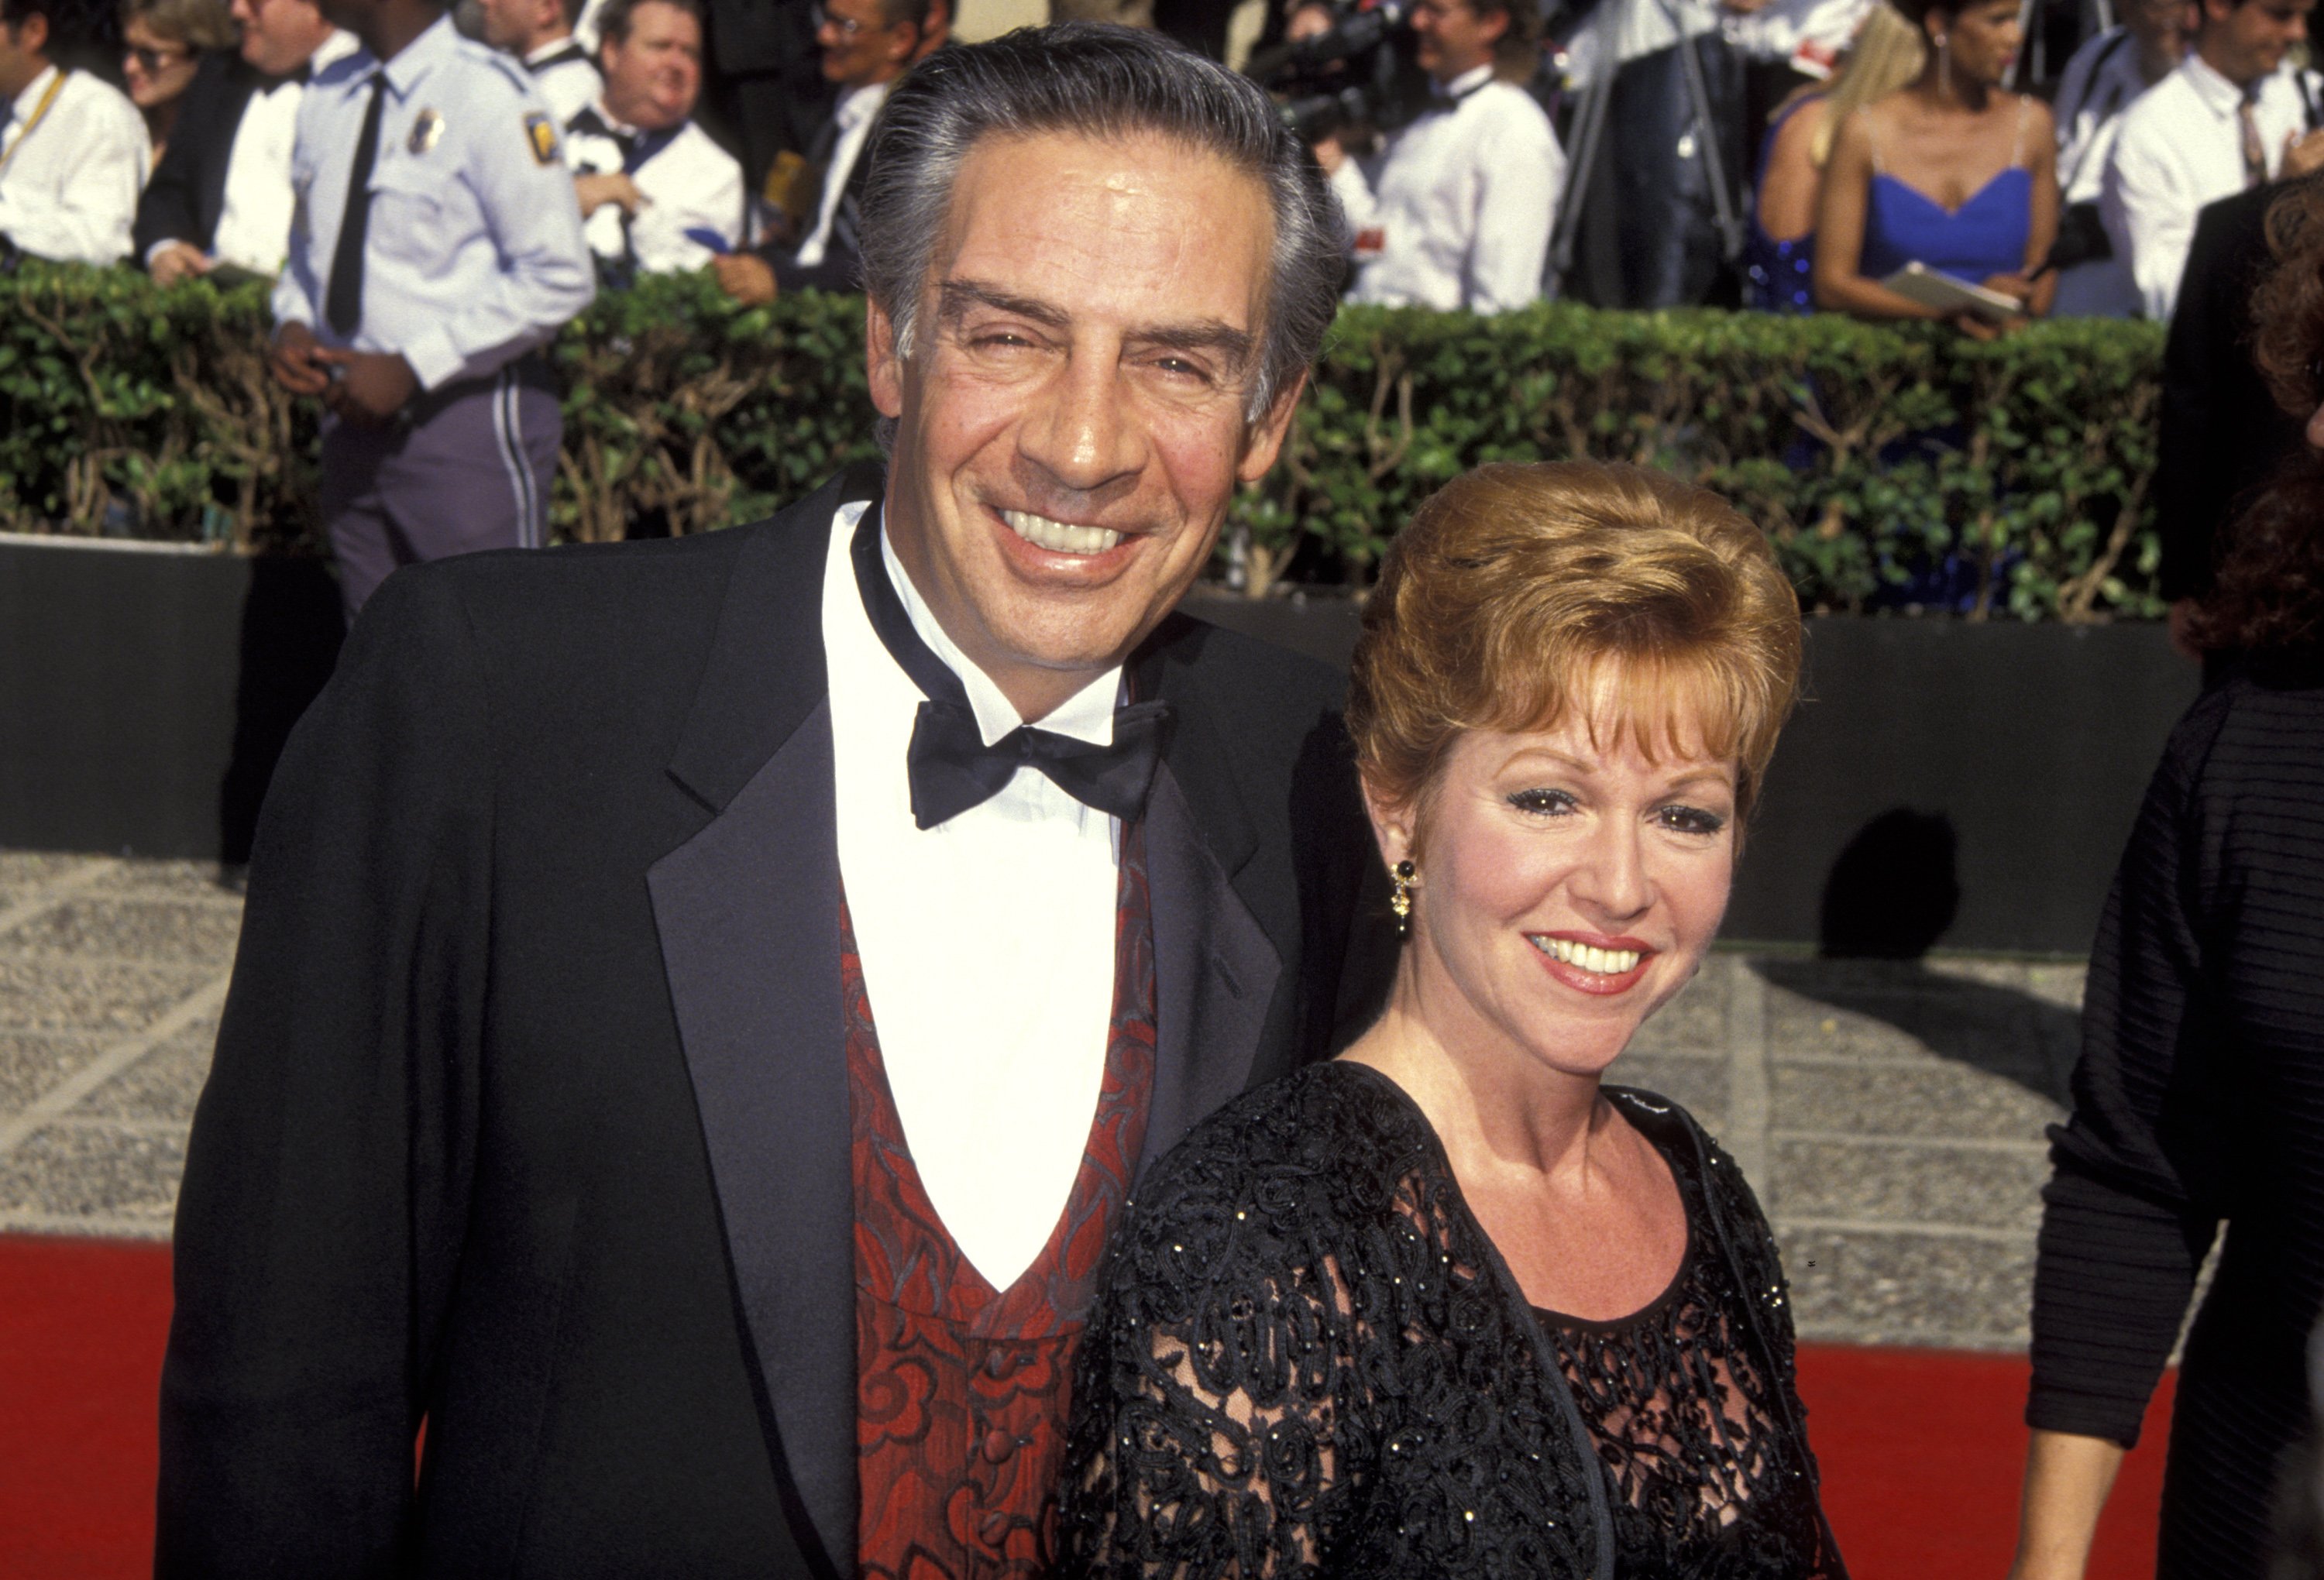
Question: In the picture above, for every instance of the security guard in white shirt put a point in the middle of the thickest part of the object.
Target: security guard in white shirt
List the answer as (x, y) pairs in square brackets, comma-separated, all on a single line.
[(657, 194), (434, 246), (74, 152), (1467, 193)]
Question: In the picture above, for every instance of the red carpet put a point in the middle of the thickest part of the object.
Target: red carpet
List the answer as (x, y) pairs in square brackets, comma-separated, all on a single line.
[(1921, 1449), (1923, 1453)]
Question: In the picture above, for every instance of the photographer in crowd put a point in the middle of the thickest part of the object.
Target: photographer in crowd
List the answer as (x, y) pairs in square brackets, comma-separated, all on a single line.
[(657, 195), (1467, 192)]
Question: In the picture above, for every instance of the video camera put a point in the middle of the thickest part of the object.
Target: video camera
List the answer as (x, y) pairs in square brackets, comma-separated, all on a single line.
[(1360, 74)]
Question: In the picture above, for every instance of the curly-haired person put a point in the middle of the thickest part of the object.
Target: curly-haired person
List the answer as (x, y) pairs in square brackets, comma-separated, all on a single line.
[(2199, 1100)]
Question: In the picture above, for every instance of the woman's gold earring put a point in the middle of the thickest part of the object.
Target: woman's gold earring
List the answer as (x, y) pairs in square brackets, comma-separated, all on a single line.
[(1400, 902)]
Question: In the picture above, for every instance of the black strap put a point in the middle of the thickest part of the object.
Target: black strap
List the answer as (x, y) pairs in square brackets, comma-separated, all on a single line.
[(343, 298), (950, 768)]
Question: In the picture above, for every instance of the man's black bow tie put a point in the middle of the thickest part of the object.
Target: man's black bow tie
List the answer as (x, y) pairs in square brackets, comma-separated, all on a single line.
[(952, 769)]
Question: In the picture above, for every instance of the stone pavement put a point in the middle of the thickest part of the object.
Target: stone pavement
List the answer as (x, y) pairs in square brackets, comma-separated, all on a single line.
[(1889, 1114)]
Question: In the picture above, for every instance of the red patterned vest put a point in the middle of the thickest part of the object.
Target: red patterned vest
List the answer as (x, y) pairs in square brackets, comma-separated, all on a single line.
[(961, 1391)]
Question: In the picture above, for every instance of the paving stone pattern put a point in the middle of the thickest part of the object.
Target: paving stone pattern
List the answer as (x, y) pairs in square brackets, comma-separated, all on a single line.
[(1890, 1115)]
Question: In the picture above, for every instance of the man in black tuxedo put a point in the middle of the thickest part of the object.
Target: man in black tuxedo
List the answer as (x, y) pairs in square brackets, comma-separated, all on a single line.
[(692, 1032), (222, 192)]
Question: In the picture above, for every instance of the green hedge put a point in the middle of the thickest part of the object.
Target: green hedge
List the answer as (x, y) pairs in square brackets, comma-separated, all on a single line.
[(1868, 453)]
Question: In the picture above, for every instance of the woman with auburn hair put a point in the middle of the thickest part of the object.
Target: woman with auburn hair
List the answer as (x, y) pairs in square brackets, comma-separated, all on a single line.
[(1448, 1305), (2199, 1097)]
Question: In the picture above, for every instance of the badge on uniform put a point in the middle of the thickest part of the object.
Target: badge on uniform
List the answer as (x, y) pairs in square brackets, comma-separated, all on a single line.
[(541, 133), (425, 129)]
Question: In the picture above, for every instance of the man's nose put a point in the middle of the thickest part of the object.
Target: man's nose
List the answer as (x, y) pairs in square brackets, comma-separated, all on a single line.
[(1083, 432)]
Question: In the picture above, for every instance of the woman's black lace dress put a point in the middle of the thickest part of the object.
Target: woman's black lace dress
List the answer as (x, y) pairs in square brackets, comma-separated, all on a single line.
[(1308, 1360)]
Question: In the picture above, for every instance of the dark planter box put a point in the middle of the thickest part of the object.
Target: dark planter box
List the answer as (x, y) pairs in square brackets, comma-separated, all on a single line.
[(1967, 785), (146, 689)]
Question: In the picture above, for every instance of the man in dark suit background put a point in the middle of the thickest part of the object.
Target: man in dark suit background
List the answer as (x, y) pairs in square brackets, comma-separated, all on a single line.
[(222, 192), (702, 1003), (2222, 433), (812, 243)]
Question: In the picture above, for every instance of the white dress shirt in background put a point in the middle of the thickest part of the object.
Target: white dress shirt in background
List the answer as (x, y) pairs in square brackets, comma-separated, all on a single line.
[(987, 941), (253, 226), (689, 183), (70, 174), (2101, 82), (565, 74), (2180, 147), (1465, 197), (853, 115)]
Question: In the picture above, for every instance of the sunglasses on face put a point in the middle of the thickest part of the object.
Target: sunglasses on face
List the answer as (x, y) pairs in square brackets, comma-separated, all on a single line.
[(150, 60)]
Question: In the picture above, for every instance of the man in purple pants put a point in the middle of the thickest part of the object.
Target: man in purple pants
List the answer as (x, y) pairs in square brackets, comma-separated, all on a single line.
[(434, 249)]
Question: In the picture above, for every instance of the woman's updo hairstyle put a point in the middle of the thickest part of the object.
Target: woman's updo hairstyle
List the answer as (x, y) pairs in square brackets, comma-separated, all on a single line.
[(1520, 595)]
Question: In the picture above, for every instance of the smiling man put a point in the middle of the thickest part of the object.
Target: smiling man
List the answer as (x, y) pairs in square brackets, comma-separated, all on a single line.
[(705, 1003)]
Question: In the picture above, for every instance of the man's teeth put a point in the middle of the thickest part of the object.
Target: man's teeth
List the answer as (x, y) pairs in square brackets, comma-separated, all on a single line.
[(1605, 962), (1058, 538)]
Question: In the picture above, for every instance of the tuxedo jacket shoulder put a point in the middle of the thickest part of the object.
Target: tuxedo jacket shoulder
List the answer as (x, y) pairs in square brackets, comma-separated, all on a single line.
[(527, 1118), (187, 192)]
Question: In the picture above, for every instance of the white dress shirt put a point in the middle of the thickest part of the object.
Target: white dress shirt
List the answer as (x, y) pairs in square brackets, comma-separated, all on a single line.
[(2178, 148), (2101, 82), (473, 253), (565, 74), (253, 226), (987, 941), (692, 187), (70, 174), (1465, 197), (852, 114)]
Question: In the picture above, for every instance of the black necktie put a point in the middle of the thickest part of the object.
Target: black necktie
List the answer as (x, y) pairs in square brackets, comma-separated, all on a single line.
[(343, 298), (950, 768)]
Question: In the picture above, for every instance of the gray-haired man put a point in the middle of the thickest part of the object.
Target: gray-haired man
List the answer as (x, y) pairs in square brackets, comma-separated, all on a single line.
[(703, 1004)]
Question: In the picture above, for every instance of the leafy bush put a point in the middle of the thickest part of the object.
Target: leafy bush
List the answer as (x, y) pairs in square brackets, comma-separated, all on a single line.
[(1888, 464)]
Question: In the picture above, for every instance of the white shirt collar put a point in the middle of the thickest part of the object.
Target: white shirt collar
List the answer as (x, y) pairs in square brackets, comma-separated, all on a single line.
[(859, 105), (337, 47), (1086, 715), (29, 99), (1468, 82), (2220, 96), (554, 46)]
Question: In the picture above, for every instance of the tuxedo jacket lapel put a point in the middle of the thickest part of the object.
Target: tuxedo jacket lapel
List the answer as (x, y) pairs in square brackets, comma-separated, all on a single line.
[(747, 915), (1214, 972)]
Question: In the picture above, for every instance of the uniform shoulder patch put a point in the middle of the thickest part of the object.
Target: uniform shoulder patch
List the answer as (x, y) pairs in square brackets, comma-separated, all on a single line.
[(541, 133)]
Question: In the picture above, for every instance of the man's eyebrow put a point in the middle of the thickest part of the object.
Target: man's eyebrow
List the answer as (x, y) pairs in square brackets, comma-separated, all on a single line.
[(954, 298), (957, 297), (1208, 335)]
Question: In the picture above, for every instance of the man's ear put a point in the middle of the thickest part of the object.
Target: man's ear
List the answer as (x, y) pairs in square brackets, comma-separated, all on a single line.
[(881, 366), (1264, 442)]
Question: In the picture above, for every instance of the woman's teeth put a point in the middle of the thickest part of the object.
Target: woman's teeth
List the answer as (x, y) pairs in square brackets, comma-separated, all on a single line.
[(1605, 962), (1058, 538)]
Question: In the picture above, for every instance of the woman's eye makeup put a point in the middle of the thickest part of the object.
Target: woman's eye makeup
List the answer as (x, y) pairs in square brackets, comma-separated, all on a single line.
[(1541, 803), (1690, 819)]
